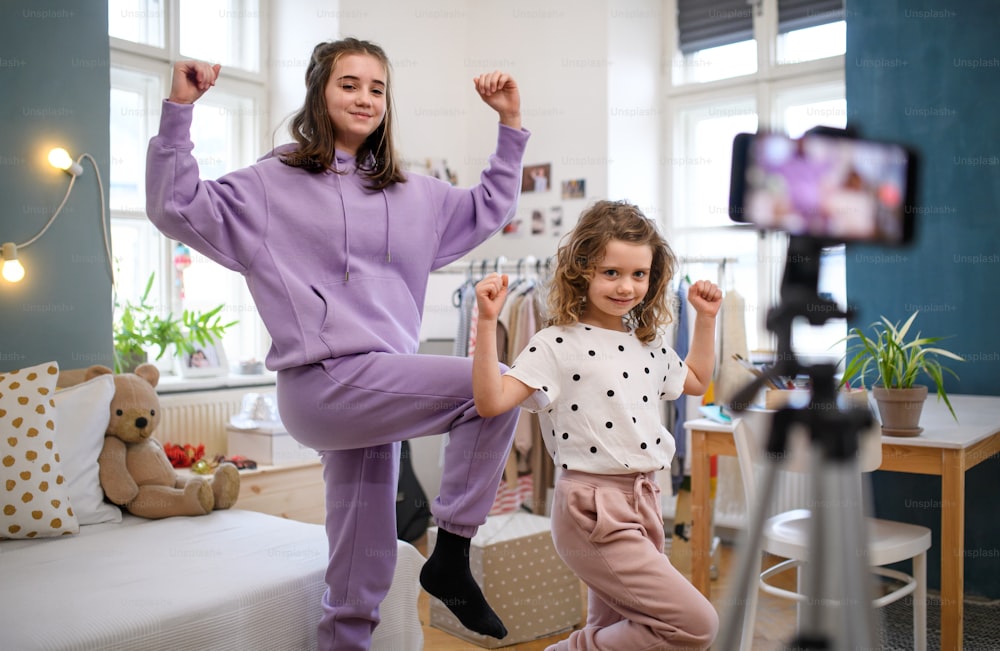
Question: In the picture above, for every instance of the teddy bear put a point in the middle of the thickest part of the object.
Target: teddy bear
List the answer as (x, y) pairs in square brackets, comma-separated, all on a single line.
[(134, 469)]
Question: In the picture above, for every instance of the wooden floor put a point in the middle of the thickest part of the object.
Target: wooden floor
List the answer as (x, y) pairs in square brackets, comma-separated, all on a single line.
[(775, 617)]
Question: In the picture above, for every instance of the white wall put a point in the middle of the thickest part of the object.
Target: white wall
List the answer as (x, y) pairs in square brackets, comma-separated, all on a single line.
[(635, 30), (296, 27)]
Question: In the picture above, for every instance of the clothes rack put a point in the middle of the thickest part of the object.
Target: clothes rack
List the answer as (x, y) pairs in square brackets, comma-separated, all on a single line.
[(720, 262), (501, 264)]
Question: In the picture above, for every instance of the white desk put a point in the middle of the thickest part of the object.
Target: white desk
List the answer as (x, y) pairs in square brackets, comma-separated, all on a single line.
[(945, 448)]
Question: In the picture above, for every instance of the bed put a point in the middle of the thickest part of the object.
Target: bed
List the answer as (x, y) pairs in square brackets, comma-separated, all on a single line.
[(79, 573), (233, 579)]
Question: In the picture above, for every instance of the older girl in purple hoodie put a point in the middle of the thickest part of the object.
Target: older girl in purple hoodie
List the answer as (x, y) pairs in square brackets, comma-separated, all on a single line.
[(336, 243)]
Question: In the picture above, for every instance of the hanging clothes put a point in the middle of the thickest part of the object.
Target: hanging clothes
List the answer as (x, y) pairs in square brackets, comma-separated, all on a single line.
[(519, 319), (732, 376), (681, 346), (464, 299), (523, 325)]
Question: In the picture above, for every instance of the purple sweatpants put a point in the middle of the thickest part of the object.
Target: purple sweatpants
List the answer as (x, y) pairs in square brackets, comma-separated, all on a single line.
[(355, 410)]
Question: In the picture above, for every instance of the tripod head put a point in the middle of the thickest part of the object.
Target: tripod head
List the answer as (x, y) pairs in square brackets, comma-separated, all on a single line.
[(800, 298)]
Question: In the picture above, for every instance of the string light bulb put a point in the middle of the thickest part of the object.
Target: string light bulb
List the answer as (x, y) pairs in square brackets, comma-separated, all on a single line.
[(12, 270), (60, 159)]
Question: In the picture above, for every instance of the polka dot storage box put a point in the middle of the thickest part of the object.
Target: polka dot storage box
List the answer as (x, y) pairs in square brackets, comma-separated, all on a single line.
[(524, 580)]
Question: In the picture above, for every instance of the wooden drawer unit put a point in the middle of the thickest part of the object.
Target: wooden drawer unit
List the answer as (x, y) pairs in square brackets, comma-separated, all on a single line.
[(294, 491)]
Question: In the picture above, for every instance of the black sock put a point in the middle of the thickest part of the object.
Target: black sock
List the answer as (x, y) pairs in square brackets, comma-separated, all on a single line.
[(446, 575)]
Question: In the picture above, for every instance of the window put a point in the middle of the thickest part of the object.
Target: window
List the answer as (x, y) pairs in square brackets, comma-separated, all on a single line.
[(221, 31), (810, 30), (714, 40), (736, 67), (137, 21), (146, 37)]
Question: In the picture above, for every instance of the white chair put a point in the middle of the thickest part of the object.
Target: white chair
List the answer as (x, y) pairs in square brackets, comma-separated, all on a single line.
[(786, 534)]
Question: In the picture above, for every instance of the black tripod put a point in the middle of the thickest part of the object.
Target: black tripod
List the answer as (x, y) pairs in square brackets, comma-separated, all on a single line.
[(837, 612)]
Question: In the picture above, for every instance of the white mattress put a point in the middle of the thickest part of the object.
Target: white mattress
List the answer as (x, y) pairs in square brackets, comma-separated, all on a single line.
[(233, 579)]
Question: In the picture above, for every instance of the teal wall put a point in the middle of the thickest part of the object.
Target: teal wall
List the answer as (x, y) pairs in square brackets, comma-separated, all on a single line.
[(54, 91), (928, 75)]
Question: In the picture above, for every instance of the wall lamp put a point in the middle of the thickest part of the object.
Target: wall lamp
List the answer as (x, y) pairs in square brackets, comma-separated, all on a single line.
[(13, 270)]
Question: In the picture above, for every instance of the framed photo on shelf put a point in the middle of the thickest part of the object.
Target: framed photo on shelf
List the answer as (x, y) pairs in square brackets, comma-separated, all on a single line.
[(204, 361)]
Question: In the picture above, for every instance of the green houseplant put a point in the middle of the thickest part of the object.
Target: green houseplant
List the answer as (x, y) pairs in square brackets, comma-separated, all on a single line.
[(141, 326), (897, 361)]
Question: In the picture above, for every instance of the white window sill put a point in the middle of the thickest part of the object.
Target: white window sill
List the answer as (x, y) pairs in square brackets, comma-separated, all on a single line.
[(176, 384)]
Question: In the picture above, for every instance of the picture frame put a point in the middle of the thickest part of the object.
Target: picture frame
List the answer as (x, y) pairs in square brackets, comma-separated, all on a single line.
[(574, 189), (536, 178), (205, 361)]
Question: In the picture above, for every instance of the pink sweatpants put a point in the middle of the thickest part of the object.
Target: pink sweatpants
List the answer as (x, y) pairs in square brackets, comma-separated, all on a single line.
[(609, 531)]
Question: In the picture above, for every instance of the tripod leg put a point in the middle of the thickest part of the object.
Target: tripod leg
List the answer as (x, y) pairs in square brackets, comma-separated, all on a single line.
[(840, 604), (920, 602), (858, 614), (809, 613), (741, 604), (837, 584)]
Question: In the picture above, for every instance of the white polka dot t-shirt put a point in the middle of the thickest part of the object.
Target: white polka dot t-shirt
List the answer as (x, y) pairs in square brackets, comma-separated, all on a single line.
[(598, 396)]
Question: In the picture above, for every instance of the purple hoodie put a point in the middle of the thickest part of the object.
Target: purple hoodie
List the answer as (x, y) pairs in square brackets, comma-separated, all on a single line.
[(326, 286)]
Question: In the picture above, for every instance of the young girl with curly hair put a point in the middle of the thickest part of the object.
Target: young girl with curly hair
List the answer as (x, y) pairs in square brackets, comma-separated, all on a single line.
[(596, 376)]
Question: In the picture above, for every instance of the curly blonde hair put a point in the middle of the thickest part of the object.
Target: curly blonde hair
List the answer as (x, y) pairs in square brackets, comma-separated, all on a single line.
[(578, 258)]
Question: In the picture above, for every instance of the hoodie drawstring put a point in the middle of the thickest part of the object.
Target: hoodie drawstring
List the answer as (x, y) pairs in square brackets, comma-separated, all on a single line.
[(347, 231), (347, 236), (388, 251)]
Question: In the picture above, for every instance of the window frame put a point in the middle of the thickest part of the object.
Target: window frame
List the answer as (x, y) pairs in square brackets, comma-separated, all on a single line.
[(767, 89), (251, 135)]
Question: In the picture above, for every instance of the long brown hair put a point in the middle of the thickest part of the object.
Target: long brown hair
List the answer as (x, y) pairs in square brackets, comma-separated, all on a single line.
[(578, 258), (313, 130)]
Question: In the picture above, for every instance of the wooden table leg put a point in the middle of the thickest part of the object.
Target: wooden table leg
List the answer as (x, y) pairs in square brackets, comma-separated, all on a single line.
[(952, 549), (700, 514)]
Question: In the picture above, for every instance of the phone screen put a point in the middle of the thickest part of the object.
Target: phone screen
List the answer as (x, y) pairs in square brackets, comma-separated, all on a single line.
[(823, 186)]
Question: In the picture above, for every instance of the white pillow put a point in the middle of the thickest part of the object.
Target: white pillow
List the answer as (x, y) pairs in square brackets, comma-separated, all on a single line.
[(84, 413), (34, 496)]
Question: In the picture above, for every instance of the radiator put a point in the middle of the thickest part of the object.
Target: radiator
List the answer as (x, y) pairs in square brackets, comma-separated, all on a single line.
[(201, 417)]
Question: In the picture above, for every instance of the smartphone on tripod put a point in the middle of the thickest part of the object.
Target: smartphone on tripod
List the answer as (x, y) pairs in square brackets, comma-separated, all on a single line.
[(826, 184)]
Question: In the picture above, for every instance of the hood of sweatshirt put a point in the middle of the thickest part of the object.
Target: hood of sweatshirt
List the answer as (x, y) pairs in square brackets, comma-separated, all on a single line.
[(280, 150)]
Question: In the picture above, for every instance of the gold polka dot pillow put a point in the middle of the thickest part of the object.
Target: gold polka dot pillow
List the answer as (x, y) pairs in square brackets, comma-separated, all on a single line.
[(34, 494)]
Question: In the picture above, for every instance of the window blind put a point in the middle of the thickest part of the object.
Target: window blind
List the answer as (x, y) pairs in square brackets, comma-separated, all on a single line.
[(801, 14), (702, 24)]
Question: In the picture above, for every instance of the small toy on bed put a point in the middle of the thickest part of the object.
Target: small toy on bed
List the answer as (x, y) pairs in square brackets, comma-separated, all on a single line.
[(134, 469)]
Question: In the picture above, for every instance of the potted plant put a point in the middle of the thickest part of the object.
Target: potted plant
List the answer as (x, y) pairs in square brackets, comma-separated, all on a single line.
[(897, 362), (141, 326)]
